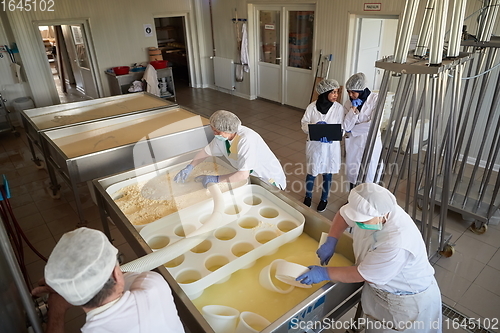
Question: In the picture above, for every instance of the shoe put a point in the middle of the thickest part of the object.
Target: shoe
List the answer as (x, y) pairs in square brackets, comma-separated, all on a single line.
[(322, 206), (307, 201)]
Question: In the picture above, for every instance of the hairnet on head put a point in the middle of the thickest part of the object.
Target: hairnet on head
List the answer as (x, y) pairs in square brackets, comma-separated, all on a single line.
[(80, 264), (356, 82), (327, 85), (225, 121), (369, 200)]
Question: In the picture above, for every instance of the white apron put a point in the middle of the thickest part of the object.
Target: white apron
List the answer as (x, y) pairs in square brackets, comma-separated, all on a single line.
[(355, 142), (419, 313)]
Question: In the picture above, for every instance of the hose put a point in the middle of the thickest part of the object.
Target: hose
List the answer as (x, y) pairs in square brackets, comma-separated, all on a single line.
[(172, 251)]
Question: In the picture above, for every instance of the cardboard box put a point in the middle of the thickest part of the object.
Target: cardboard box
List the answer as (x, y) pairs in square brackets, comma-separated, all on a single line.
[(267, 17), (269, 36)]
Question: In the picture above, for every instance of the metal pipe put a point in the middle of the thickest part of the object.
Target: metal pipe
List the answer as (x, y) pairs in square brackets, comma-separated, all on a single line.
[(18, 280), (487, 21), (418, 178), (458, 146), (374, 129), (494, 106), (437, 41), (398, 96), (493, 19), (455, 93), (482, 93), (465, 123), (425, 29), (457, 21), (405, 31)]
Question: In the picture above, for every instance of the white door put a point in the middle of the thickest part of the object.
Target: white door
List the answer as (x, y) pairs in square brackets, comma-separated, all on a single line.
[(376, 39), (285, 47), (77, 45)]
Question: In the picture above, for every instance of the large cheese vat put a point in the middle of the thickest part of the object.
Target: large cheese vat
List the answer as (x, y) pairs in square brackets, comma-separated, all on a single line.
[(91, 150), (331, 300)]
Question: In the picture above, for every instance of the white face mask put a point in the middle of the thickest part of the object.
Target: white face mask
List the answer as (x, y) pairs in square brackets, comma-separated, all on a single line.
[(220, 137)]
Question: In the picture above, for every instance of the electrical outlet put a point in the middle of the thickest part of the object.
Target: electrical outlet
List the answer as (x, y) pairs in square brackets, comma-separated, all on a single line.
[(2, 48)]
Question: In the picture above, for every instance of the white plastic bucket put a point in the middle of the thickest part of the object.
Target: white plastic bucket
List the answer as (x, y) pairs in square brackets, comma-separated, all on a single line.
[(20, 104)]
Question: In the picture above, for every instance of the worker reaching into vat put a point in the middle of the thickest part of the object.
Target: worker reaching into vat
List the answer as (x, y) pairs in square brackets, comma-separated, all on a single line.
[(322, 157), (83, 270), (391, 259), (244, 149), (359, 111)]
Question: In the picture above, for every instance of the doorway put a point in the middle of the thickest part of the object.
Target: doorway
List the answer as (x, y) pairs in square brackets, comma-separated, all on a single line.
[(69, 57), (285, 44), (171, 38), (374, 38)]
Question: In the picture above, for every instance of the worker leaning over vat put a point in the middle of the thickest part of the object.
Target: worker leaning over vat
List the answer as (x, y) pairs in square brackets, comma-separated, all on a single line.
[(400, 292), (359, 110), (83, 270), (244, 149), (322, 157)]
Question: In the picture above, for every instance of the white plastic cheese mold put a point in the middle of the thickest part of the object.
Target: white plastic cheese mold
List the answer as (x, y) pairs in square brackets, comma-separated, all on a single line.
[(255, 223)]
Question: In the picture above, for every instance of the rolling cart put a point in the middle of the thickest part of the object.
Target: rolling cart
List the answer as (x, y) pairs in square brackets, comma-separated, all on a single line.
[(5, 121)]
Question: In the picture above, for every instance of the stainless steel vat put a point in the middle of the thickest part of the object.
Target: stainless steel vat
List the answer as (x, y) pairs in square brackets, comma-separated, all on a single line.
[(91, 162), (52, 117), (332, 300)]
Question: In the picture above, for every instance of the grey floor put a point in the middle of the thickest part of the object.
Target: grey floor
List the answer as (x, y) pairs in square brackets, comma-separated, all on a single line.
[(469, 280)]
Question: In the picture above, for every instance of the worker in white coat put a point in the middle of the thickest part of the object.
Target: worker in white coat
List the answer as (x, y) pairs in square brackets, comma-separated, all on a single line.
[(244, 148), (83, 270), (400, 292), (322, 157), (359, 111)]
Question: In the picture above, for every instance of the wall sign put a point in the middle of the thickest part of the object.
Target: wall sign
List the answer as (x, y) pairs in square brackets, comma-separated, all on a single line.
[(148, 30), (269, 26), (369, 7)]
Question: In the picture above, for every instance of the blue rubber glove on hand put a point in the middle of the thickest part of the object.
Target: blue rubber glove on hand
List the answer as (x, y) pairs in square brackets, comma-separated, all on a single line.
[(205, 179), (356, 102), (321, 122), (316, 274), (326, 251), (183, 174), (324, 140)]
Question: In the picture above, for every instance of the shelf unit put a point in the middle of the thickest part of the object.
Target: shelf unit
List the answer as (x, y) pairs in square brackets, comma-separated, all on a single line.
[(119, 84)]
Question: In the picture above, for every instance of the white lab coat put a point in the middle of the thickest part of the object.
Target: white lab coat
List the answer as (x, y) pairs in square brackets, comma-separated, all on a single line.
[(146, 306), (394, 260), (322, 157), (355, 142), (249, 152)]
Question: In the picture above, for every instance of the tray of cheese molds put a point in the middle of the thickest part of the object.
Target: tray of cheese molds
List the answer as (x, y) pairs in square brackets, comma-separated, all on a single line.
[(255, 223)]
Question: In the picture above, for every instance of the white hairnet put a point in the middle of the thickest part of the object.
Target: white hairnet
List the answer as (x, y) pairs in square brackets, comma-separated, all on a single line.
[(80, 264), (327, 85), (369, 200), (225, 121), (356, 82)]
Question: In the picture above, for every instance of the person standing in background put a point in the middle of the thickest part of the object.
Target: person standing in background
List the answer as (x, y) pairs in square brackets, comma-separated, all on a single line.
[(322, 157), (358, 116)]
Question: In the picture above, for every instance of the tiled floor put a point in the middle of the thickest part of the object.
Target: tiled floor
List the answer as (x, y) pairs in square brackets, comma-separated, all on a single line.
[(469, 280)]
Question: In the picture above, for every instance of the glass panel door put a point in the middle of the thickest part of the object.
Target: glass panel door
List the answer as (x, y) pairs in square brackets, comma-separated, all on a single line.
[(300, 38), (270, 36)]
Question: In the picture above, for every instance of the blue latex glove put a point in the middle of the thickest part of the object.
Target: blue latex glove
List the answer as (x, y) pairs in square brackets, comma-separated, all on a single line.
[(205, 179), (326, 251), (183, 174), (316, 274), (356, 102), (321, 122), (324, 140)]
